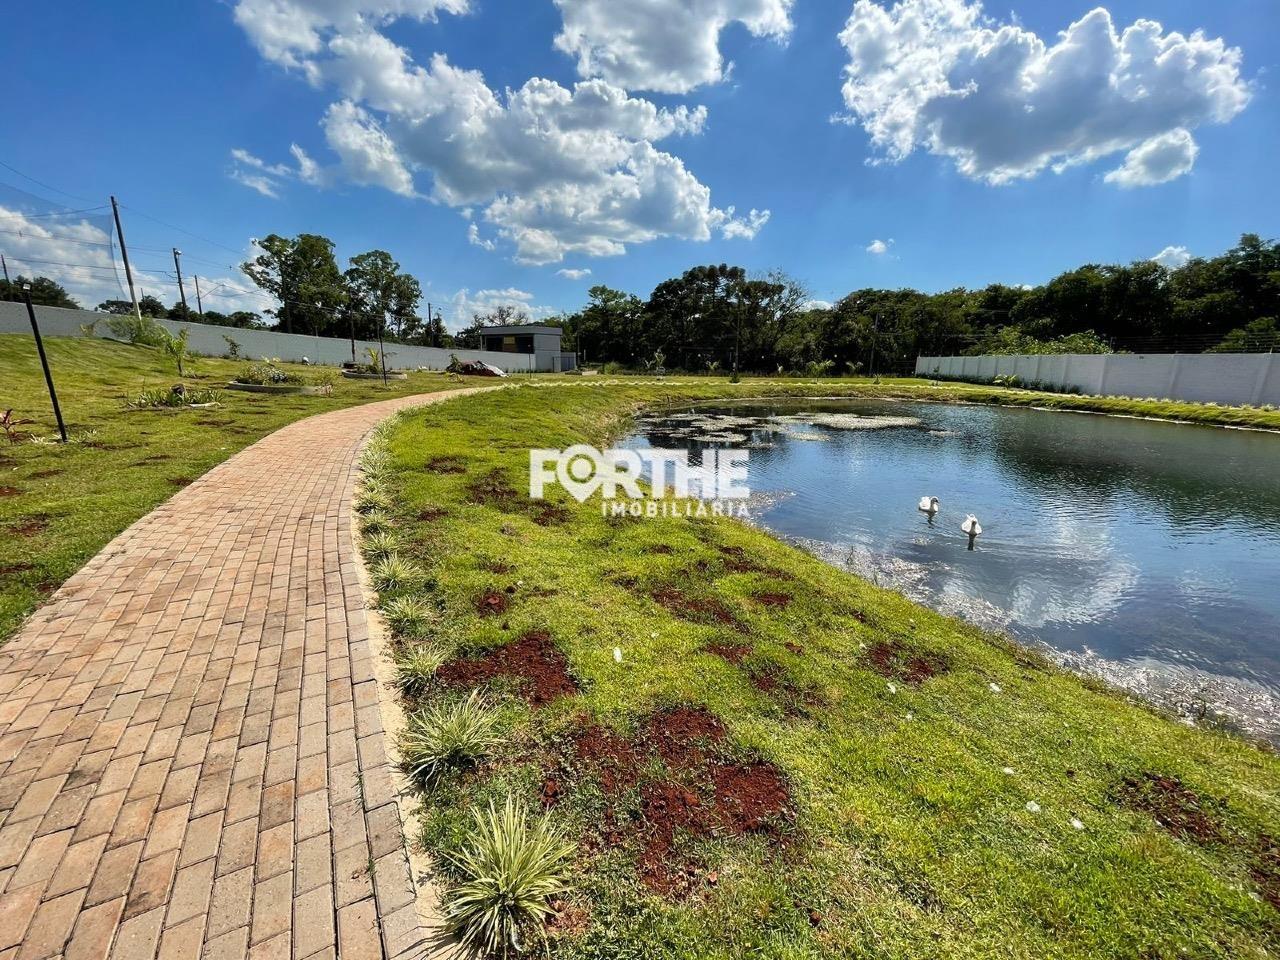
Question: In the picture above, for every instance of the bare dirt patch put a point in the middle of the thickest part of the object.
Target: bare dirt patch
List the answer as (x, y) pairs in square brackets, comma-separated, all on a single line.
[(491, 603), (1175, 807), (431, 514), (733, 653), (46, 474), (1266, 870), (533, 661), (8, 570), (446, 465), (749, 796), (30, 526), (182, 481), (659, 548), (896, 661), (493, 489), (547, 514), (615, 761), (9, 491), (681, 735), (775, 600), (705, 610)]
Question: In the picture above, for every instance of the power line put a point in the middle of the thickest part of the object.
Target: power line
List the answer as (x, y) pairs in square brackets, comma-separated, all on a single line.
[(55, 238), (194, 236), (61, 213), (41, 183)]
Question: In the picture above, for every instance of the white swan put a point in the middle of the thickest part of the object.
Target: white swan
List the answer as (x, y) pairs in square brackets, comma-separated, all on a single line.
[(971, 526), (928, 505)]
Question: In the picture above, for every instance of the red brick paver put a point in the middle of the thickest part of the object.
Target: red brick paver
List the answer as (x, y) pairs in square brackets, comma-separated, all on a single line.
[(188, 764)]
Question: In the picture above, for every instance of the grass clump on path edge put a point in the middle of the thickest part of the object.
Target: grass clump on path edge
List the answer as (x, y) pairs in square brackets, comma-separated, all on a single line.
[(788, 761)]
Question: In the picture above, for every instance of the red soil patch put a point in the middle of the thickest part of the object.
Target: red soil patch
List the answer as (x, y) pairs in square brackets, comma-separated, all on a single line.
[(491, 489), (547, 514), (29, 527), (12, 568), (182, 481), (895, 661), (733, 653), (668, 808), (706, 610), (776, 600), (1266, 870), (158, 457), (9, 491), (661, 548), (749, 796), (680, 734), (431, 514), (497, 566), (491, 603), (794, 647), (613, 759), (446, 465), (46, 474), (533, 660), (1175, 807)]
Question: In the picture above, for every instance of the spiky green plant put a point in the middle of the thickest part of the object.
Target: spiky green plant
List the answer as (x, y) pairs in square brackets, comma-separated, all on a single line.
[(409, 616), (394, 572), (511, 866), (379, 544), (416, 667), (375, 521), (372, 498), (445, 736)]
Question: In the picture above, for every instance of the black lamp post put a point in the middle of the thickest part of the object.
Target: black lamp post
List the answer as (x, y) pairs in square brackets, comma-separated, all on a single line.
[(44, 361)]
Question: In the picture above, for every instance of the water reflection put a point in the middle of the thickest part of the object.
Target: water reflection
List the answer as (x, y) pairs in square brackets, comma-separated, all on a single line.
[(1115, 541)]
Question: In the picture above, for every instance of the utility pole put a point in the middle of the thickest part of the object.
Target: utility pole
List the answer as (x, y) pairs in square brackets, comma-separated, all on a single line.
[(182, 293), (383, 349), (124, 255), (199, 304), (5, 264), (44, 361), (875, 332)]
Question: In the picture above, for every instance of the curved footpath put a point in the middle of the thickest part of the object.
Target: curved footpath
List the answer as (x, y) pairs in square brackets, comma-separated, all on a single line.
[(192, 757)]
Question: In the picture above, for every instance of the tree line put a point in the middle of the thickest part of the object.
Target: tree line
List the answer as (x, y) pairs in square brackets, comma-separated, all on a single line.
[(720, 318)]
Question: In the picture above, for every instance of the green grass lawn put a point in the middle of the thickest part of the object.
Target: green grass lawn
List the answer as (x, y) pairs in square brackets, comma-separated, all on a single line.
[(60, 505), (788, 761)]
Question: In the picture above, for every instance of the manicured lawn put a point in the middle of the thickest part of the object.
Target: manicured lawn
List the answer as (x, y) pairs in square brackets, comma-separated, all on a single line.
[(788, 761), (60, 505)]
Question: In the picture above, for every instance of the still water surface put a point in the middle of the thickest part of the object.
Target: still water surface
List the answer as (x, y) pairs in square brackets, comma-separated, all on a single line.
[(1146, 552)]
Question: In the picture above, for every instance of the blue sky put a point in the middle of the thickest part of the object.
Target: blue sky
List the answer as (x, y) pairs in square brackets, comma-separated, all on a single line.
[(148, 100)]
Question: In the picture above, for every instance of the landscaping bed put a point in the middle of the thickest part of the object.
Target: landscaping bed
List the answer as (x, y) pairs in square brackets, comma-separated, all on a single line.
[(750, 753)]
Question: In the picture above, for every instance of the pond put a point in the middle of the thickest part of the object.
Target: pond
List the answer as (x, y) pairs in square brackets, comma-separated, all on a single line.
[(1147, 553)]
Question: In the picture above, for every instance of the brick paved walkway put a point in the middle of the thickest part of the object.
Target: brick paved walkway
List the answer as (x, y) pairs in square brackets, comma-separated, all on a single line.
[(192, 759)]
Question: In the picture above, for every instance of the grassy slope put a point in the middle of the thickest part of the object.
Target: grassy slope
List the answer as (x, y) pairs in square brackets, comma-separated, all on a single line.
[(910, 840), (84, 494)]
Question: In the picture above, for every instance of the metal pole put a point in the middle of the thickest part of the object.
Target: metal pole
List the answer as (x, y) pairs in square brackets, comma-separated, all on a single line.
[(382, 348), (7, 282), (44, 361), (181, 291), (199, 304), (124, 255)]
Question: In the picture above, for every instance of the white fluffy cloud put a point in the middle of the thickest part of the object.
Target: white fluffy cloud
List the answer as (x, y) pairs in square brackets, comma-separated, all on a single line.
[(1173, 257), (670, 46), (1158, 160), (573, 274), (551, 170), (879, 248), (79, 255), (465, 304), (1003, 104)]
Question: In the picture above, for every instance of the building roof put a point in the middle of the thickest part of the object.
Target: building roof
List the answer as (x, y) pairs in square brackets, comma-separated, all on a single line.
[(518, 328)]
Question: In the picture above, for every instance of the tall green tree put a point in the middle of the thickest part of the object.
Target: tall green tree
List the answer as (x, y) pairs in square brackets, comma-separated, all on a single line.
[(302, 274), (44, 292)]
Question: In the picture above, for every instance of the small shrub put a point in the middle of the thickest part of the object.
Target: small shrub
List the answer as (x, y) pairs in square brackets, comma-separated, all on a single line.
[(447, 736), (416, 669), (179, 396), (141, 330), (393, 572), (267, 373), (372, 497), (10, 424), (380, 544), (326, 380), (375, 521), (233, 347), (512, 865), (409, 616)]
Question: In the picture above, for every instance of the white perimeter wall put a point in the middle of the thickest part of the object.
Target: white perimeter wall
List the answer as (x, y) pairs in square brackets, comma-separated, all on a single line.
[(206, 340), (1229, 378)]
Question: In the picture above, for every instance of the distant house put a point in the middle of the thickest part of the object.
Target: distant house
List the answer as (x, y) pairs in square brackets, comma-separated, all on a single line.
[(536, 338)]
